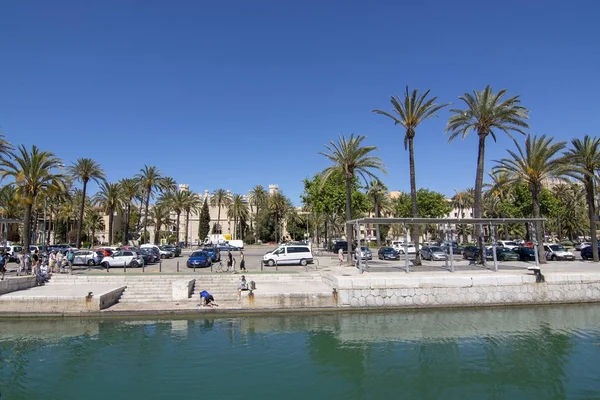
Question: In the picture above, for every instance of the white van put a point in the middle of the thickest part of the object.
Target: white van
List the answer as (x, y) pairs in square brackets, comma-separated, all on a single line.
[(399, 246), (13, 250), (286, 255)]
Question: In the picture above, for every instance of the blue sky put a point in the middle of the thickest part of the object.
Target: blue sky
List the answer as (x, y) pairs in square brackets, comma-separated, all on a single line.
[(232, 94)]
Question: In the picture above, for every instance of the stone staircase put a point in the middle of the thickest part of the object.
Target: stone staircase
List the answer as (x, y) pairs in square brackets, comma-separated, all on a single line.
[(158, 288)]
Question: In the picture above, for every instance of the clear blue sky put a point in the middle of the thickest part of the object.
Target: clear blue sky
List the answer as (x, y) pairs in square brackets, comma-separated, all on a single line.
[(231, 94)]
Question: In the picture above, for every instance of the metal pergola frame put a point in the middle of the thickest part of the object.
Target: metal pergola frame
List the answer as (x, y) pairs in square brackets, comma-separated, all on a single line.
[(491, 222)]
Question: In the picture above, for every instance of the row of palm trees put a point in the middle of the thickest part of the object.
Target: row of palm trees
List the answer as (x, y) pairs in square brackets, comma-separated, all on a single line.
[(40, 182), (486, 113)]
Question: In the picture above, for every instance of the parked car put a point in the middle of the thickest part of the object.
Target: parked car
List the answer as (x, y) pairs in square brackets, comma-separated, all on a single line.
[(556, 252), (176, 250), (199, 259), (123, 257), (364, 252), (509, 244), (226, 247), (525, 253), (586, 252), (400, 247), (342, 244), (456, 249), (582, 245), (87, 257), (433, 253), (470, 252), (149, 255), (388, 253), (215, 254), (506, 254), (164, 253), (289, 255), (13, 251)]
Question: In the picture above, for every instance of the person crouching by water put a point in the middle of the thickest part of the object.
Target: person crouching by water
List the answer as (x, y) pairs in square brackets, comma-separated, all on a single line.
[(242, 286), (207, 299)]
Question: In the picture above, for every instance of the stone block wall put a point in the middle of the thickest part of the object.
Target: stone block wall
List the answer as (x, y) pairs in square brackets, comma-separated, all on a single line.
[(13, 284)]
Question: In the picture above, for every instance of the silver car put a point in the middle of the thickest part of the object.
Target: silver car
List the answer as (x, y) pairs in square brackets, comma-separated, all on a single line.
[(364, 252), (87, 257), (433, 253)]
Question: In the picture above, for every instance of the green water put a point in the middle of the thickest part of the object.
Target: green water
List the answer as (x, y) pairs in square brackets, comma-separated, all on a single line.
[(514, 353)]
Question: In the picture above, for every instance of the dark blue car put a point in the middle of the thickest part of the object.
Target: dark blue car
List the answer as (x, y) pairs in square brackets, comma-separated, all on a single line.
[(215, 254), (586, 252), (199, 259)]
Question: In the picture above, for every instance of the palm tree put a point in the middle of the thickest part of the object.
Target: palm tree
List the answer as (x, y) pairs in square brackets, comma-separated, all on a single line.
[(584, 159), (409, 112), (350, 158), (279, 205), (463, 201), (85, 169), (258, 197), (11, 208), (176, 202), (192, 203), (486, 113), (160, 215), (377, 192), (109, 199), (150, 179), (238, 212), (500, 187), (168, 184), (536, 164), (93, 223), (33, 172), (129, 188), (220, 198)]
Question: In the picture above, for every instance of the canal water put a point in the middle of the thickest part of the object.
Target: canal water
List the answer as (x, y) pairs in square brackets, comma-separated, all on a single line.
[(512, 353)]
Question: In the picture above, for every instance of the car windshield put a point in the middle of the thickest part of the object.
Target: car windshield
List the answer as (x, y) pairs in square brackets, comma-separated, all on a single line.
[(435, 248), (557, 247), (364, 248), (198, 254), (510, 244)]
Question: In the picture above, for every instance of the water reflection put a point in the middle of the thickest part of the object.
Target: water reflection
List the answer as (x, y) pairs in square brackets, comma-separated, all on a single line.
[(542, 352)]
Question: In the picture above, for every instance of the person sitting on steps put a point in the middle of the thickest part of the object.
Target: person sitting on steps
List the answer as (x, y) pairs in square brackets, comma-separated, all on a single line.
[(242, 286)]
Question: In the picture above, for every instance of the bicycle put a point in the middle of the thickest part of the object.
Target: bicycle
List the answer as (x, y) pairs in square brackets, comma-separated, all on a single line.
[(224, 268)]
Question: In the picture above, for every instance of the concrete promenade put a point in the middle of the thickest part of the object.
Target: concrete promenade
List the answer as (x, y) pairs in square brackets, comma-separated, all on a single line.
[(328, 287)]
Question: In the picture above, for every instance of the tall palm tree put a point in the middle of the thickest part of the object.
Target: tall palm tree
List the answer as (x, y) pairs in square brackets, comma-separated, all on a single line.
[(192, 203), (279, 205), (409, 112), (84, 170), (109, 199), (462, 201), (177, 203), (377, 192), (258, 198), (500, 187), (486, 112), (160, 215), (532, 166), (150, 179), (349, 158), (129, 188), (33, 171), (220, 198), (168, 184), (238, 212), (93, 223), (584, 159)]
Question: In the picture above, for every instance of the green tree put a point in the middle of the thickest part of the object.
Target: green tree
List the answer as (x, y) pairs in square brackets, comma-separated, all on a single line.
[(160, 215), (486, 113), (108, 198), (584, 159), (532, 166), (220, 198), (377, 193), (84, 170), (258, 199), (238, 212), (192, 203), (176, 200), (410, 112), (93, 222), (462, 201), (129, 189), (33, 172), (204, 222), (349, 158), (279, 206)]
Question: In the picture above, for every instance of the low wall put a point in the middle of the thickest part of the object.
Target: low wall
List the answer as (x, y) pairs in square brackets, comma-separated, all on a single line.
[(464, 290), (183, 289), (13, 284)]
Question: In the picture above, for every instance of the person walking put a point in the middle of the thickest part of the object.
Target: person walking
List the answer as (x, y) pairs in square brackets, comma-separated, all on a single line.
[(51, 261), (3, 261), (242, 262), (341, 256), (70, 258), (229, 259)]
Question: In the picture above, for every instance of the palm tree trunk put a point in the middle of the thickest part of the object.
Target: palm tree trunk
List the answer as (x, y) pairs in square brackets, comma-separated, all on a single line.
[(416, 229), (219, 220), (589, 188), (177, 233), (126, 227), (27, 227), (539, 234), (81, 210), (377, 225), (111, 218), (146, 215), (348, 217), (477, 204), (187, 226)]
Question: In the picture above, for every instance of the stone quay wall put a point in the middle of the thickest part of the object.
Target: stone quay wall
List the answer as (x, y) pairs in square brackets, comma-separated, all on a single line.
[(13, 284), (426, 291)]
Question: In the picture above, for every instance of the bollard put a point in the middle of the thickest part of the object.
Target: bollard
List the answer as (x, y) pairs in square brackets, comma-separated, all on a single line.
[(107, 267), (177, 266), (144, 267), (194, 268), (276, 265), (124, 266), (160, 266), (211, 267)]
